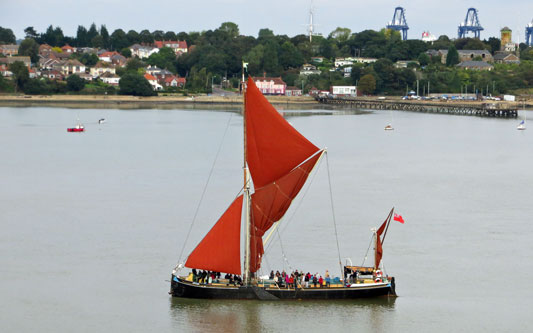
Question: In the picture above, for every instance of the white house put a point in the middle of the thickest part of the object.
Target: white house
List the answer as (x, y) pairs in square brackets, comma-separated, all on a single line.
[(142, 51), (153, 81), (344, 90), (102, 67), (341, 62), (308, 69), (110, 78)]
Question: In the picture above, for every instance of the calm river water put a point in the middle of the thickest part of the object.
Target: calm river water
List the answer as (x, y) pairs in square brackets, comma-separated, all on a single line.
[(93, 223)]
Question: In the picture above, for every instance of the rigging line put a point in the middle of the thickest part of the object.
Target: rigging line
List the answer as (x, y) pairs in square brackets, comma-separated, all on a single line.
[(283, 252), (298, 205), (205, 188), (333, 213), (367, 250)]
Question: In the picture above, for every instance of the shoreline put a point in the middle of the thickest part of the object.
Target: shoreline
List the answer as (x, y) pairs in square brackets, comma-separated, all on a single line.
[(172, 102), (136, 101)]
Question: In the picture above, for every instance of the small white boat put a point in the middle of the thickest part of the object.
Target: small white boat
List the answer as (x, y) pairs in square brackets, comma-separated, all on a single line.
[(522, 125), (389, 127), (101, 121)]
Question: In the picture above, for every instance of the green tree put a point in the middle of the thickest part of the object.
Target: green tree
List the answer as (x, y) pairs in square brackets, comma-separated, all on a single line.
[(326, 49), (29, 47), (230, 28), (7, 36), (20, 74), (442, 43), (423, 59), (135, 84), (126, 52), (452, 58), (119, 40), (105, 36), (5, 85), (198, 79), (31, 33), (367, 84), (134, 64), (289, 56), (37, 87), (93, 32), (133, 37), (75, 83), (265, 34), (163, 59), (97, 42), (81, 37), (146, 37), (340, 35), (88, 59), (169, 35), (494, 43), (158, 35), (270, 60)]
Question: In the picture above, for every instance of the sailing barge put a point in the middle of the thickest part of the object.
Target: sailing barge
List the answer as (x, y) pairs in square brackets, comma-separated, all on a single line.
[(279, 160)]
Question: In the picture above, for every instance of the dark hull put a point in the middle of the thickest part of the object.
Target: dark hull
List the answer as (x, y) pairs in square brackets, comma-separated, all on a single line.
[(180, 288)]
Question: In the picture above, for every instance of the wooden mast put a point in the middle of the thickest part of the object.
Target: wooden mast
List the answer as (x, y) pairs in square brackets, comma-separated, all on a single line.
[(246, 189)]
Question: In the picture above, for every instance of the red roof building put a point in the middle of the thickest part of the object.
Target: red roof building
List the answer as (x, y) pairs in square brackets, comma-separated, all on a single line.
[(270, 85), (68, 49), (179, 46)]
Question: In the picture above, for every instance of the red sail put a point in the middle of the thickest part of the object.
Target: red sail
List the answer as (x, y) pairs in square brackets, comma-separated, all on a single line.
[(271, 202), (273, 146), (379, 249), (219, 251)]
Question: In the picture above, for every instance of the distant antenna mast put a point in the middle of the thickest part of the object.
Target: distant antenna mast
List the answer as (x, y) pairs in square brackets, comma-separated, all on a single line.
[(311, 26)]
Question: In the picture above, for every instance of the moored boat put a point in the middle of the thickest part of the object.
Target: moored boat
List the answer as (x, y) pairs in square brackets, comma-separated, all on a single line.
[(278, 159), (77, 128)]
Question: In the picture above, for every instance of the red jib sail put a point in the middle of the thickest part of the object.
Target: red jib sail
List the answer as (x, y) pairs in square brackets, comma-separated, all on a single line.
[(219, 251), (271, 202), (273, 146)]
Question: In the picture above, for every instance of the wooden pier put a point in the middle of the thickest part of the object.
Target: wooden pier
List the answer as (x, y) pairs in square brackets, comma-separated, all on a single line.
[(500, 110)]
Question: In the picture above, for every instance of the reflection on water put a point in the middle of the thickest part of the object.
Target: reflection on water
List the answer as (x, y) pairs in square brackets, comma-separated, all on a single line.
[(253, 316)]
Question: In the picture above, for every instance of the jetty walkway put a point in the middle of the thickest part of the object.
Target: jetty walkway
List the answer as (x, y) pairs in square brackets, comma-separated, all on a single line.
[(501, 110)]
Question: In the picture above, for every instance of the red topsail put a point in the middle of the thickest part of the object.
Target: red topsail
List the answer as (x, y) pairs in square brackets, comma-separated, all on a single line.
[(273, 146)]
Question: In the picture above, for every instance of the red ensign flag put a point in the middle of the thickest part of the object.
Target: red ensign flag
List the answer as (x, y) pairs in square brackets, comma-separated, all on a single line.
[(398, 218)]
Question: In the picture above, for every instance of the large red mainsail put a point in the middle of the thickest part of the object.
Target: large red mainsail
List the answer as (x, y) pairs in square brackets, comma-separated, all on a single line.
[(280, 160), (219, 251)]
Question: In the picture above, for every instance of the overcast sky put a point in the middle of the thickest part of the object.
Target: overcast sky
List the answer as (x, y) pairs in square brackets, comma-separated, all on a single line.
[(281, 16)]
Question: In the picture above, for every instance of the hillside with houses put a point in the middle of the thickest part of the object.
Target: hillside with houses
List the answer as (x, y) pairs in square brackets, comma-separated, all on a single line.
[(365, 63)]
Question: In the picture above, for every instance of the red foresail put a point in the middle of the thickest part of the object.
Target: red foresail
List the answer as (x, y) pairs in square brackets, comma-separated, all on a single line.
[(379, 240), (273, 146), (220, 251), (271, 202)]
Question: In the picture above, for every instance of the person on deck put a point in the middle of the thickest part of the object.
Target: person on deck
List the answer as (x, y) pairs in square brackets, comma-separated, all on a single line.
[(315, 281), (271, 275), (320, 281), (306, 279), (291, 281)]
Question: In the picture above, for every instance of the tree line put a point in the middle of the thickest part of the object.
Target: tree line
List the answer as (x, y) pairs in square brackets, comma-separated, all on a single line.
[(218, 54)]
